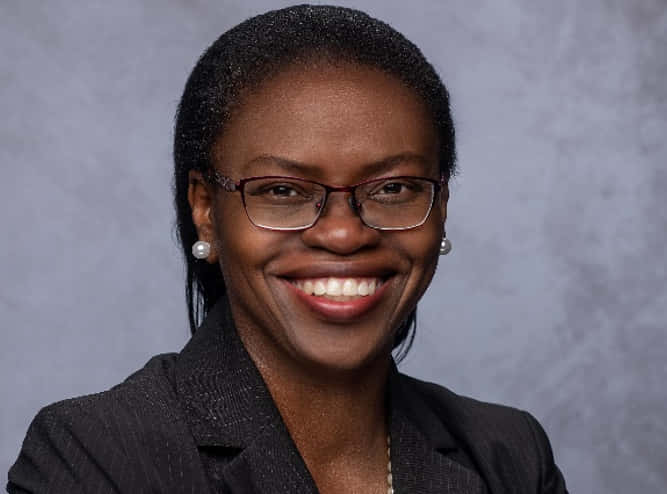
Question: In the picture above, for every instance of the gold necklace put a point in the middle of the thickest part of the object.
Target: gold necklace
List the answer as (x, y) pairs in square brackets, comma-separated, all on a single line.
[(390, 480)]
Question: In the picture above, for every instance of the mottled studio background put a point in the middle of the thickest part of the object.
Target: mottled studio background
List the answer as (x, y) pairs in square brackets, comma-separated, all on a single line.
[(554, 298)]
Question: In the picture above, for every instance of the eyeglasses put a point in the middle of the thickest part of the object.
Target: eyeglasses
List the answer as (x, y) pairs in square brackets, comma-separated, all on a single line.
[(289, 203)]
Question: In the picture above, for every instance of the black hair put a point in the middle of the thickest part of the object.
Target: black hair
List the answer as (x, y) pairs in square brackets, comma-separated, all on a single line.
[(254, 51)]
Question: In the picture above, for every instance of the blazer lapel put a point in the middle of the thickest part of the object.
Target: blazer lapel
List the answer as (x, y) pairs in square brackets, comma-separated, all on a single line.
[(423, 451), (227, 405), (270, 464)]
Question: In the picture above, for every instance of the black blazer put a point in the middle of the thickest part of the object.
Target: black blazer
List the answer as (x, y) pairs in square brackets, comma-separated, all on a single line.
[(204, 421)]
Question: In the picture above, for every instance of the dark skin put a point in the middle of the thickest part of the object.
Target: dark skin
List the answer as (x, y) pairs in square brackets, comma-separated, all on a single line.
[(337, 125)]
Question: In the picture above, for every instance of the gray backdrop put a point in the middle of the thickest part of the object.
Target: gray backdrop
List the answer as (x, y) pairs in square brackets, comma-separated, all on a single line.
[(554, 298)]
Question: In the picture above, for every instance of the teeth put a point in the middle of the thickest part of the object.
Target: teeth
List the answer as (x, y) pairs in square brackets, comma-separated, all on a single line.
[(336, 287), (350, 288), (319, 288)]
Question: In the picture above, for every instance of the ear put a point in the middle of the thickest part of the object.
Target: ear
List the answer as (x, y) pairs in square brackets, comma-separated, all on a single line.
[(200, 197)]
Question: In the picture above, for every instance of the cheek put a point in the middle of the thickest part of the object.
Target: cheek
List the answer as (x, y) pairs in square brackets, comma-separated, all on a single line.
[(242, 248), (426, 252), (421, 249), (243, 253), (427, 261)]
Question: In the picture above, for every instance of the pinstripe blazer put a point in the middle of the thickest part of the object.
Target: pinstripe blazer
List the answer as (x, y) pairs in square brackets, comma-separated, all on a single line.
[(203, 421)]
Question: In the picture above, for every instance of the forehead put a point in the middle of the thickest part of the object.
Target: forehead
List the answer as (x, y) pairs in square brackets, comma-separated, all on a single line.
[(336, 119)]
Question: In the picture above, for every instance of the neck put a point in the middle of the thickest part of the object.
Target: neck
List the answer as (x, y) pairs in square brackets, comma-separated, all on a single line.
[(332, 415)]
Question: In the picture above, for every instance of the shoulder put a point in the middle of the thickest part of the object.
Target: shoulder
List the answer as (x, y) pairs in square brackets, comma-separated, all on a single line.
[(505, 442), (145, 395), (466, 411), (109, 439)]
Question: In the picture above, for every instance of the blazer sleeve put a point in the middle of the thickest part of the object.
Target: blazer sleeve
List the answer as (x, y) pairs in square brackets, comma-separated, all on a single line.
[(65, 450), (550, 477)]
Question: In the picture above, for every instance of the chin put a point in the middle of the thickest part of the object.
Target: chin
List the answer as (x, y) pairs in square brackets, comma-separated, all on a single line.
[(349, 350)]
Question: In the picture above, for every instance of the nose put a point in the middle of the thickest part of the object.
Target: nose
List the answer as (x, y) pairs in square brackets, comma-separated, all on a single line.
[(339, 228)]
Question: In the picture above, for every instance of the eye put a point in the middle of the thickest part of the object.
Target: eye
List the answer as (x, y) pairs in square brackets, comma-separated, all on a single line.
[(391, 188), (397, 187), (396, 191), (281, 190), (277, 189)]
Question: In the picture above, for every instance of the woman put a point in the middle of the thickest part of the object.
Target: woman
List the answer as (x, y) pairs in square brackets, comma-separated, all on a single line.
[(313, 148)]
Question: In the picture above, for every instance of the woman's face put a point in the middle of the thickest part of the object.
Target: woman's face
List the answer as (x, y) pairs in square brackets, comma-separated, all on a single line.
[(339, 126)]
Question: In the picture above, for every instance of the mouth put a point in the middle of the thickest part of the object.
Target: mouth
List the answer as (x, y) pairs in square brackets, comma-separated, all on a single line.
[(338, 299), (338, 289)]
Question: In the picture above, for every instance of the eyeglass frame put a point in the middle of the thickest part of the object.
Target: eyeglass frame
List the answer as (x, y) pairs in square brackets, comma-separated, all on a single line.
[(228, 184)]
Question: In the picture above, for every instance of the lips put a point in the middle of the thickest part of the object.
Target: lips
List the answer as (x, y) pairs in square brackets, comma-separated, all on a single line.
[(341, 308), (337, 288)]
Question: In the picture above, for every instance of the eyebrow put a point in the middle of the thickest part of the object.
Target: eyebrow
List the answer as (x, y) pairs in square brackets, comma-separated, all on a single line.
[(372, 168)]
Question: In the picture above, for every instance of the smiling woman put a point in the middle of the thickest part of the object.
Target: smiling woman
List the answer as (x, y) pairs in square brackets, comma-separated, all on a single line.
[(330, 123), (313, 148)]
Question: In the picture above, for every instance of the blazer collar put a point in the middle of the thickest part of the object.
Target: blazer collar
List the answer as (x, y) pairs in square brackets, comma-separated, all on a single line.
[(227, 404), (220, 389)]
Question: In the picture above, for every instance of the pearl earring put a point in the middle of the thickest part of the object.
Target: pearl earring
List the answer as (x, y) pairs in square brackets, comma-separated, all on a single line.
[(201, 249), (445, 246)]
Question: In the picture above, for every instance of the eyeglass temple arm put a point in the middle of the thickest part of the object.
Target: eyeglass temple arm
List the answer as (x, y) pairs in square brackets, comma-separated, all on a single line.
[(227, 184)]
